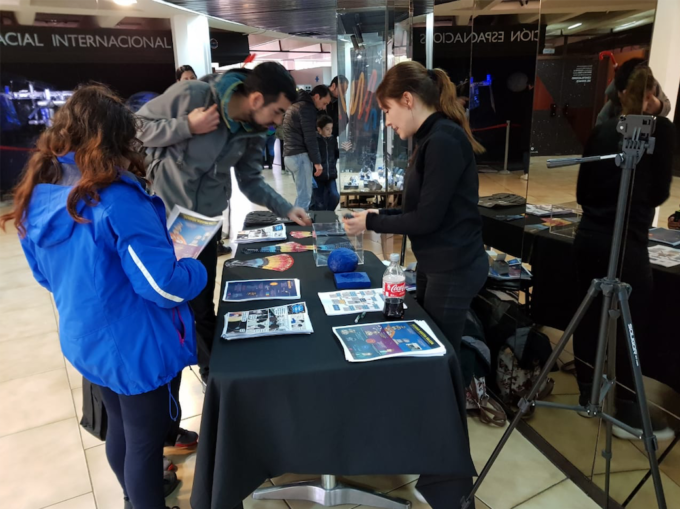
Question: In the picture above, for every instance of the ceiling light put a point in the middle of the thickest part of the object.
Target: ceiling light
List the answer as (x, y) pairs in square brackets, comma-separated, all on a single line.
[(125, 3), (626, 25), (576, 25)]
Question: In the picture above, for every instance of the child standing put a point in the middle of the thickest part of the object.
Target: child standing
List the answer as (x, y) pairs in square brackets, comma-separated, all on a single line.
[(325, 194)]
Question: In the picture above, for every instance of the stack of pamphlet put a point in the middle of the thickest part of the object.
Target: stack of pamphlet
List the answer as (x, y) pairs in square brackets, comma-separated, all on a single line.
[(664, 256), (190, 231), (509, 271), (261, 289), (548, 210), (268, 234), (370, 342), (278, 321), (670, 237)]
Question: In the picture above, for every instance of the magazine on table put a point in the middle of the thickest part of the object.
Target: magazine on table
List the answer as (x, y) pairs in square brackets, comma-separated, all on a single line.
[(190, 232), (278, 321), (349, 302), (261, 289), (664, 256), (268, 234), (373, 341), (670, 237), (548, 210), (515, 272)]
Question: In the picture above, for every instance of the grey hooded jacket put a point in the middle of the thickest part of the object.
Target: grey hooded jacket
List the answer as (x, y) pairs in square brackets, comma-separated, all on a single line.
[(195, 171), (612, 108)]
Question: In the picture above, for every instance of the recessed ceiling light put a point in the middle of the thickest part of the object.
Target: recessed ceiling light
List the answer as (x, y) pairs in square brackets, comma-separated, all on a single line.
[(125, 3), (574, 26)]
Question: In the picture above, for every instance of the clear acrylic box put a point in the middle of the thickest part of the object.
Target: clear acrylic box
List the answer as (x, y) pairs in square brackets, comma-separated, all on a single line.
[(331, 236), (573, 218)]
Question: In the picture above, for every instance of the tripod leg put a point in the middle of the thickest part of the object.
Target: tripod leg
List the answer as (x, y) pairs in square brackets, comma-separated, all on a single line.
[(602, 338), (609, 399), (526, 402), (648, 437)]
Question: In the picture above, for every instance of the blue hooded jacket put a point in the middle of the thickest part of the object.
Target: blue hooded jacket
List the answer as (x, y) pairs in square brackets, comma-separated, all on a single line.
[(122, 296)]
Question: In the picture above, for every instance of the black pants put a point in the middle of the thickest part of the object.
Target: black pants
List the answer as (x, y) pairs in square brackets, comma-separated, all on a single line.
[(591, 251), (446, 296), (204, 307), (137, 428), (325, 196)]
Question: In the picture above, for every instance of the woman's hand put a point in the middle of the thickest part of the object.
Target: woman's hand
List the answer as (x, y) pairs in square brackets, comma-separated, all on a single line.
[(357, 224)]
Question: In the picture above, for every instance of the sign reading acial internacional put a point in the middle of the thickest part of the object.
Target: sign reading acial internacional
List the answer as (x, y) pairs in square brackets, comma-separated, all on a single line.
[(24, 44)]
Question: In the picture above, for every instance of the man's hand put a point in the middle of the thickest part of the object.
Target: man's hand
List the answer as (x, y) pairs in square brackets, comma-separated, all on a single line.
[(202, 121), (299, 215), (318, 170)]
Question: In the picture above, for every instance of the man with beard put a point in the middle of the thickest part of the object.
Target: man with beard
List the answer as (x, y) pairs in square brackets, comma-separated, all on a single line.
[(194, 134)]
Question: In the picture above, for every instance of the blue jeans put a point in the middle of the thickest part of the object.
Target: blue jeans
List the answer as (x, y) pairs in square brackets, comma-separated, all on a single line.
[(325, 196), (302, 169)]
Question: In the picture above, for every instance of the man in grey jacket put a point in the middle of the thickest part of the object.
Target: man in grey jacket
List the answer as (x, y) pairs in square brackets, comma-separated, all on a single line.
[(657, 104), (301, 152), (195, 133)]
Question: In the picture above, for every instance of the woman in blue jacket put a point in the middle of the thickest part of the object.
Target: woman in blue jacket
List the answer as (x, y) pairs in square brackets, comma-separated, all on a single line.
[(99, 243)]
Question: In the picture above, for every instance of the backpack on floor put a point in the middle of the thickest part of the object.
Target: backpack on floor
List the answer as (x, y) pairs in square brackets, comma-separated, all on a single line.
[(94, 413)]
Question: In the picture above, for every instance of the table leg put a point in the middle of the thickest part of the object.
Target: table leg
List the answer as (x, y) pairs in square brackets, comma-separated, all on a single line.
[(328, 492)]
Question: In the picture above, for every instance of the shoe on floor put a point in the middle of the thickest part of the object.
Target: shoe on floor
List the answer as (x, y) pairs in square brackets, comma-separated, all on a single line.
[(627, 411), (223, 249), (170, 483), (168, 465), (525, 176), (127, 504), (185, 439)]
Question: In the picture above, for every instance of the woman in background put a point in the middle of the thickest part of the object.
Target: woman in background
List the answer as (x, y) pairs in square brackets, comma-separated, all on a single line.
[(185, 73), (597, 192), (95, 239)]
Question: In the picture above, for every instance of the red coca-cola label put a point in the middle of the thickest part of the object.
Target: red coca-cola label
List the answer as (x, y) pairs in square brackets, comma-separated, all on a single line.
[(394, 290)]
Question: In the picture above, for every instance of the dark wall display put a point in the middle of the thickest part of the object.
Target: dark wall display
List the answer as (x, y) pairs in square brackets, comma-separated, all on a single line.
[(227, 48)]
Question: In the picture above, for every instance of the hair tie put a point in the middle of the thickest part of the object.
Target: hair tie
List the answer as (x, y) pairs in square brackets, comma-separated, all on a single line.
[(432, 75)]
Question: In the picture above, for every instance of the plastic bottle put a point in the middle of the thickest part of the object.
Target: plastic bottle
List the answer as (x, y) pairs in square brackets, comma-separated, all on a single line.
[(394, 289)]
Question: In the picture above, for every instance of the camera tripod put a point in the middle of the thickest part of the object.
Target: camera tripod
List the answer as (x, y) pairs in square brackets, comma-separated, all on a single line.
[(637, 133)]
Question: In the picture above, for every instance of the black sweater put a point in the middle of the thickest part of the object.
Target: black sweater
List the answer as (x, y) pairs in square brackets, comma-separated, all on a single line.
[(597, 189), (299, 129), (441, 190)]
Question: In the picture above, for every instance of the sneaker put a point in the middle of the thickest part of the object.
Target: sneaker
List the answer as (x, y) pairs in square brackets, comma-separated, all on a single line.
[(223, 249), (525, 176), (168, 465), (627, 411), (186, 439), (584, 395), (170, 483)]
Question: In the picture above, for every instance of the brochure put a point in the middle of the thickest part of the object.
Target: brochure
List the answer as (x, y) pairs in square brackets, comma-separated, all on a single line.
[(288, 247), (278, 263), (282, 320), (370, 342), (664, 256), (349, 302), (548, 210), (268, 234), (261, 289), (515, 271), (190, 232), (670, 237)]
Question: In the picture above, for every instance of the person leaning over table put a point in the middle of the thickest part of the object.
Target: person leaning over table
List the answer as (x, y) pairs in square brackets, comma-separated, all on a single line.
[(94, 238), (441, 190)]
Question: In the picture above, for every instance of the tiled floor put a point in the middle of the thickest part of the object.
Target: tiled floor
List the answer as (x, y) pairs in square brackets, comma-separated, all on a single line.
[(46, 460)]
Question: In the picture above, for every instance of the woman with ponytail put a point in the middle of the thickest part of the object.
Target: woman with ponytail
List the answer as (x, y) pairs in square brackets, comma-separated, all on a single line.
[(597, 192), (441, 190), (94, 238)]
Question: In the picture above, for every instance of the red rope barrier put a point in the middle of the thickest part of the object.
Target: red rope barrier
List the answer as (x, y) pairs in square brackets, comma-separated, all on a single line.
[(17, 149), (499, 126)]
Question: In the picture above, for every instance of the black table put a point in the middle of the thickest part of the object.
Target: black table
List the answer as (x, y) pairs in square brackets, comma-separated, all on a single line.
[(554, 297), (293, 404)]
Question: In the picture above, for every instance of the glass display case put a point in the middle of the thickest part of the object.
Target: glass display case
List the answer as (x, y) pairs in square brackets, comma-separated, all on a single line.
[(372, 160), (331, 236)]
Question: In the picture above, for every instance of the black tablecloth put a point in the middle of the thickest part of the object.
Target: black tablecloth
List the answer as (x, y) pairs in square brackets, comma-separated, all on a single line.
[(293, 404), (554, 298)]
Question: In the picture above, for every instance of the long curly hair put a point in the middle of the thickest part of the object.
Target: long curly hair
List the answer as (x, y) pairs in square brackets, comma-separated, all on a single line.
[(96, 125)]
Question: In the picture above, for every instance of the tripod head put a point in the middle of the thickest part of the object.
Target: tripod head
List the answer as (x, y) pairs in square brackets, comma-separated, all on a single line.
[(637, 131)]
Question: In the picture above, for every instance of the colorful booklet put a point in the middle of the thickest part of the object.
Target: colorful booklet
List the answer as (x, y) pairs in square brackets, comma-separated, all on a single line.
[(278, 321), (515, 271), (278, 263), (350, 302), (370, 342), (190, 231), (670, 237), (261, 289), (268, 234), (664, 256)]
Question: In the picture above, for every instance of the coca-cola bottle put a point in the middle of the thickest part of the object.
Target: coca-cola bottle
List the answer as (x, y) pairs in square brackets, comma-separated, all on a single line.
[(394, 289)]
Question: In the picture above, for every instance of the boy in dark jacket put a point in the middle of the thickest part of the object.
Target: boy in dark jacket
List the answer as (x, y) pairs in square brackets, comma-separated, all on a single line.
[(325, 195)]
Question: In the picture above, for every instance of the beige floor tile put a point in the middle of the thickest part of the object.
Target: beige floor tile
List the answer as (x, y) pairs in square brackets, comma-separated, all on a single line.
[(191, 394), (565, 495), (81, 502), (251, 503), (29, 356), (622, 483), (25, 298), (417, 502), (18, 278), (671, 463), (89, 440), (13, 263), (43, 466), (22, 323), (9, 247), (575, 437), (107, 492), (501, 489), (34, 401), (564, 383), (75, 379)]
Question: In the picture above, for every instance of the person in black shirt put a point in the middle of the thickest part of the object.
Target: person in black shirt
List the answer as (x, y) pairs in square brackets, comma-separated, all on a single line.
[(597, 192), (441, 191)]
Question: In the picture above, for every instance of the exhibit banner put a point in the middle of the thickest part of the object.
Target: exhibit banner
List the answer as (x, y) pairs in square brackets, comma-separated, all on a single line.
[(26, 44)]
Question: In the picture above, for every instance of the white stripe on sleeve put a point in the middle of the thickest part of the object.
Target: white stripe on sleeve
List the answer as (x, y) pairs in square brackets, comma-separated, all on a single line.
[(150, 278)]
